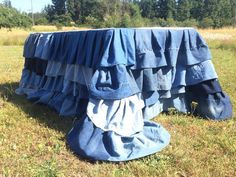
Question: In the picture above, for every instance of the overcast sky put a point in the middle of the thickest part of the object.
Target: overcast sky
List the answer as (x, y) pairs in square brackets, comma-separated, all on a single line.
[(25, 5)]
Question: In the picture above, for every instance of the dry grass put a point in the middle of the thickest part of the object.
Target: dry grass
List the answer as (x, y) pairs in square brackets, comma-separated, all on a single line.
[(32, 137), (219, 34), (54, 28), (17, 36), (224, 38), (13, 36)]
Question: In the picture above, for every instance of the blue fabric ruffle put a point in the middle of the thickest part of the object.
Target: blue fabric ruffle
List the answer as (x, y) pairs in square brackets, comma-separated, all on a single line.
[(86, 140), (110, 47), (116, 80)]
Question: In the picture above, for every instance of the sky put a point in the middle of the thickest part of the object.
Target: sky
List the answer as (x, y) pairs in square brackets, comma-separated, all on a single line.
[(25, 5)]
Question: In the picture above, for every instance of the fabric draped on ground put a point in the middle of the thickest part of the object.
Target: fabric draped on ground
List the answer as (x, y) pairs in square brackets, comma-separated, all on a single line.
[(116, 80)]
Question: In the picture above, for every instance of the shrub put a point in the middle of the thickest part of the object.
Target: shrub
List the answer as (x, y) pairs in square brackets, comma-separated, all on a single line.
[(111, 21), (189, 23), (63, 20), (41, 21), (10, 17), (206, 23), (125, 21), (164, 23), (92, 22)]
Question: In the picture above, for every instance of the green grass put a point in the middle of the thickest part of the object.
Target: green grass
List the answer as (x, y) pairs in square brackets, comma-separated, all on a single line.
[(32, 137), (226, 44)]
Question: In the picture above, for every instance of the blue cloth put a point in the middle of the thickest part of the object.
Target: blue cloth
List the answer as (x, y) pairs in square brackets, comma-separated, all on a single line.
[(116, 80), (212, 102), (91, 142), (110, 47)]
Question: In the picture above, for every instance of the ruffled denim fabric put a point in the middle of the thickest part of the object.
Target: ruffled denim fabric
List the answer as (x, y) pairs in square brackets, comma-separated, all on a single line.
[(117, 80)]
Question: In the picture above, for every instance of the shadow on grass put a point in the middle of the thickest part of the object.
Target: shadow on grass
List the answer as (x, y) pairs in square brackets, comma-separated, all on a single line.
[(42, 113)]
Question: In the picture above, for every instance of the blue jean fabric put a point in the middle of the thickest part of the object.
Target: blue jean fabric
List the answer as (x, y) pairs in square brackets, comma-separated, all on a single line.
[(119, 82), (97, 144), (116, 80), (110, 47)]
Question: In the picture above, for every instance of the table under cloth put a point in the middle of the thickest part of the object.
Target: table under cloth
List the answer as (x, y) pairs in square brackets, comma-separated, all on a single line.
[(116, 80)]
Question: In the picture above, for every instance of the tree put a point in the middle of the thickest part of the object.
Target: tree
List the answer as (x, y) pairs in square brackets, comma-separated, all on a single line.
[(7, 3), (10, 18), (167, 9), (50, 13), (59, 7), (39, 18), (116, 13), (131, 15), (219, 11), (92, 8), (74, 8), (148, 8), (56, 13), (233, 2), (183, 10), (197, 9)]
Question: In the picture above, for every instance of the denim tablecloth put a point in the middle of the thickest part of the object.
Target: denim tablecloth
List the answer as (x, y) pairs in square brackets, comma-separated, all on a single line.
[(115, 80)]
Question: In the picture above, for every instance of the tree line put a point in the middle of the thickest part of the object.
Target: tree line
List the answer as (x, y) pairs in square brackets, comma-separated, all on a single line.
[(133, 13)]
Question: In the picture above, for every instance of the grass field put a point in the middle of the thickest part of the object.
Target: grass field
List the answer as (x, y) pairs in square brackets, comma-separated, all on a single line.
[(32, 137)]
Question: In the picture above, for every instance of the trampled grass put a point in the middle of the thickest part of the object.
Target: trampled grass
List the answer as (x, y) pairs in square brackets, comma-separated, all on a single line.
[(32, 137)]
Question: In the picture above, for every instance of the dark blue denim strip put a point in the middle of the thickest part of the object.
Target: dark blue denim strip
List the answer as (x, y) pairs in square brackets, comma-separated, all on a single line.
[(36, 65)]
